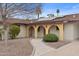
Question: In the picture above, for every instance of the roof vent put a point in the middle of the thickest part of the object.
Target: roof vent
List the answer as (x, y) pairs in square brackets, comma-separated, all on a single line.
[(65, 21)]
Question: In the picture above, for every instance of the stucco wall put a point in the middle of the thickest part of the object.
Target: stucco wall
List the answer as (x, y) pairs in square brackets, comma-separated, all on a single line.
[(22, 31), (41, 33), (76, 30), (71, 31), (54, 31)]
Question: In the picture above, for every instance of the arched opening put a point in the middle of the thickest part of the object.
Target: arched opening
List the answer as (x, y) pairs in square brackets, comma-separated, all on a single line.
[(41, 32), (31, 32), (54, 30)]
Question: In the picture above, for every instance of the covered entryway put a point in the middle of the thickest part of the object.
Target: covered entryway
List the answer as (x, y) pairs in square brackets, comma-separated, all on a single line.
[(40, 32), (31, 32), (54, 30)]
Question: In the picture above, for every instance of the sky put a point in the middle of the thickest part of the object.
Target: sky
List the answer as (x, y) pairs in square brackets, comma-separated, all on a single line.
[(65, 8), (50, 8)]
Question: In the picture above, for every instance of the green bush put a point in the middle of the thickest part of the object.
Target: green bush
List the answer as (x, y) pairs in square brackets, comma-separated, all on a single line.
[(14, 31), (50, 38)]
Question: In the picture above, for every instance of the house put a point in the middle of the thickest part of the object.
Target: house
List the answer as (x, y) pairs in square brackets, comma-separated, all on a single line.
[(66, 27)]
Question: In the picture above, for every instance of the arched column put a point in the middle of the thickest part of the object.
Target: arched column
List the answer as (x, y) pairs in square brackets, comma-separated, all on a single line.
[(41, 31), (47, 29), (36, 27), (61, 36), (54, 30), (35, 30), (30, 31), (60, 26)]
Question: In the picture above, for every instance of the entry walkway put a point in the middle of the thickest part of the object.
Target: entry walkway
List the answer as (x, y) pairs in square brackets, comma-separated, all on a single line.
[(40, 47), (42, 50)]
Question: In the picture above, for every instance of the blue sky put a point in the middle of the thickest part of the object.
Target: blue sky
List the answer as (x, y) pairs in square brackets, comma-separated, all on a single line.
[(50, 8), (65, 8)]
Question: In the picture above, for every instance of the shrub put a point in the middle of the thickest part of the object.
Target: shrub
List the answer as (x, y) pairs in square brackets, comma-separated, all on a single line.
[(50, 38), (14, 31)]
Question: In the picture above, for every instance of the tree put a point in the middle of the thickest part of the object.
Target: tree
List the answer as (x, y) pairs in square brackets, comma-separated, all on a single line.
[(57, 11), (50, 15), (38, 10), (27, 19), (42, 17), (14, 31), (8, 10)]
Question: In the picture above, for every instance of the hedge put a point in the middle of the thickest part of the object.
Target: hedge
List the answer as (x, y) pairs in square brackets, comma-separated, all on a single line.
[(50, 38)]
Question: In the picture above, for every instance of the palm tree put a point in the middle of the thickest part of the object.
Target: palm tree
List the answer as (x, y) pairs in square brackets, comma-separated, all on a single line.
[(38, 10), (57, 11)]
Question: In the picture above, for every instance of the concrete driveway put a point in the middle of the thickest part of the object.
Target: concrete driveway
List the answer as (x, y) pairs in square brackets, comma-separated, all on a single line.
[(16, 47), (41, 49)]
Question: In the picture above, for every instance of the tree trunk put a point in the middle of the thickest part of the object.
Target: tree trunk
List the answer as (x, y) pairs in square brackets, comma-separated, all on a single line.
[(2, 36), (57, 14), (5, 29), (6, 35), (38, 15)]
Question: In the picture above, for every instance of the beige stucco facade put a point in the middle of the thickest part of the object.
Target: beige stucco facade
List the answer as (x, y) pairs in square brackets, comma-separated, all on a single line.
[(23, 32), (43, 29), (71, 31), (67, 28), (68, 31)]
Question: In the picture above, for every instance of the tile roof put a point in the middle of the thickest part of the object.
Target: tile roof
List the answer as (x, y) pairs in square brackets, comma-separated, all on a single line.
[(72, 17), (16, 21)]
